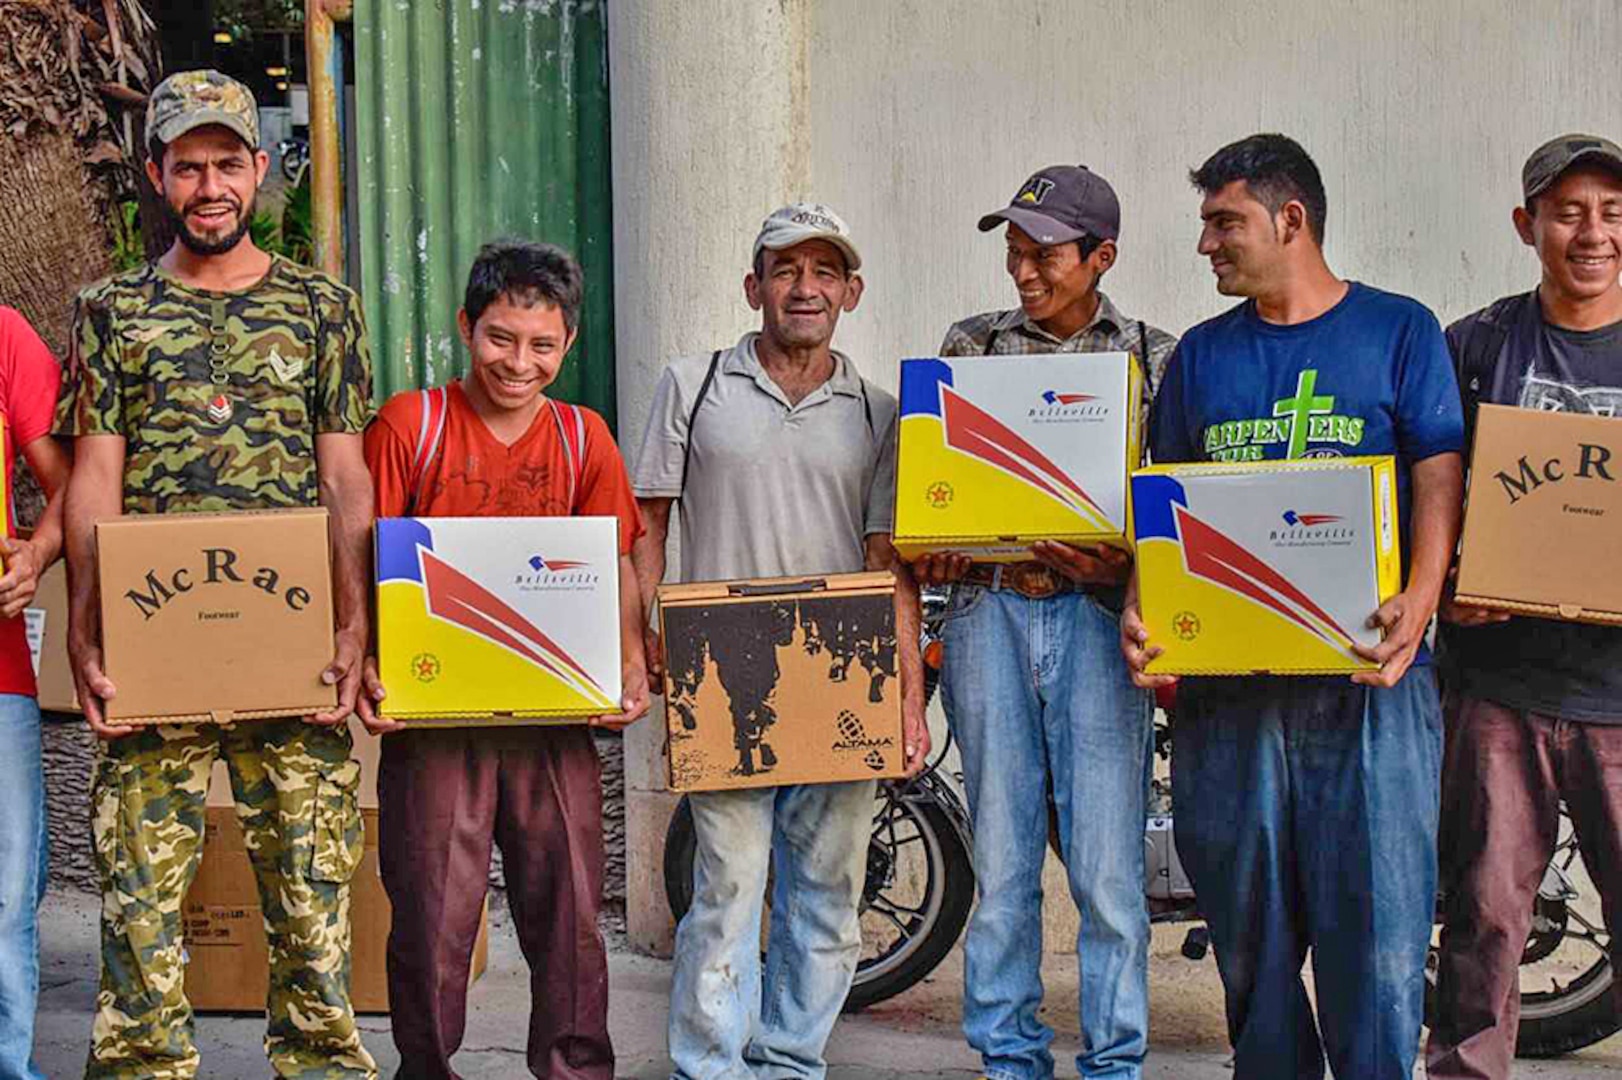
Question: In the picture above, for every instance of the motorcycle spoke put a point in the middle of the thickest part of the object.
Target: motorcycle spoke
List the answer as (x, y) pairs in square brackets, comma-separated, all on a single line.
[(890, 906), (1594, 935), (906, 930)]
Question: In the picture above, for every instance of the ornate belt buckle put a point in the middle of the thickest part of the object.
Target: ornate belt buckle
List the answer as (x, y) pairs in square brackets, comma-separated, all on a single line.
[(1033, 580)]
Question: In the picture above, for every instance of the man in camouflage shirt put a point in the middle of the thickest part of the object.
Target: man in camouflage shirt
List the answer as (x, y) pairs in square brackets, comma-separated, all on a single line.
[(1035, 689), (220, 378)]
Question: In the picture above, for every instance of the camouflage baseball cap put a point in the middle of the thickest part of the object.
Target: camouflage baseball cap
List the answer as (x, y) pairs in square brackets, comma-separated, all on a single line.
[(1554, 157), (188, 100)]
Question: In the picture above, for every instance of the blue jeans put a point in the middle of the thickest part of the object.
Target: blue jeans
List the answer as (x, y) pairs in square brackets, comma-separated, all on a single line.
[(727, 1020), (24, 860), (1306, 814), (1036, 692)]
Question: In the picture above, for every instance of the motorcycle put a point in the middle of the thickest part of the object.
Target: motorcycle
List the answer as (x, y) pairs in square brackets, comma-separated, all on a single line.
[(920, 886), (294, 155)]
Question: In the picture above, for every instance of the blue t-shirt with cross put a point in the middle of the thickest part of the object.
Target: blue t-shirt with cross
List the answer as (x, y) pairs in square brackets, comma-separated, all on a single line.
[(1372, 375)]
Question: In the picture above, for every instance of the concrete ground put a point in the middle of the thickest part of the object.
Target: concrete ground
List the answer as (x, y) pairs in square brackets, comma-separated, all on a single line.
[(915, 1035)]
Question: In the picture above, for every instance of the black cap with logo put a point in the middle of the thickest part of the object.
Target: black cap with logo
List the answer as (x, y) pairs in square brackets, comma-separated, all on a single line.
[(1059, 204), (1554, 157)]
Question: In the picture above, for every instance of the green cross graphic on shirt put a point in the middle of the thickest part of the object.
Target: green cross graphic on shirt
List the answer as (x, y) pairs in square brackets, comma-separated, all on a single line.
[(1301, 408)]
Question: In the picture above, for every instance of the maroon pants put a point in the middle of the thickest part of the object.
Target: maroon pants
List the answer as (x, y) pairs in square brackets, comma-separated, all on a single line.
[(1503, 777), (444, 796)]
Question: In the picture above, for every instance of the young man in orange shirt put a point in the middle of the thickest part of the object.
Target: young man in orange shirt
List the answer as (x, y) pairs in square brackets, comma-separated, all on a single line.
[(504, 450)]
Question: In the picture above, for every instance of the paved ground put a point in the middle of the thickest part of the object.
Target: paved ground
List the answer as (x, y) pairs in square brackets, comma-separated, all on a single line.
[(915, 1035)]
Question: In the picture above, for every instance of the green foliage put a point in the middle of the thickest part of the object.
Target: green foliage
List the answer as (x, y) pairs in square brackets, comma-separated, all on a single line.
[(298, 223), (128, 249), (240, 18)]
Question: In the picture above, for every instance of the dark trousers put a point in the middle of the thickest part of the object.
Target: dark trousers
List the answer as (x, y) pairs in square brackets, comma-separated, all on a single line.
[(1306, 816), (1505, 774), (444, 797)]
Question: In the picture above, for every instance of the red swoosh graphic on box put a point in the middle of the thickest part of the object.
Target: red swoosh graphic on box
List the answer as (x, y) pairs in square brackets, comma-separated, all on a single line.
[(458, 599), (1211, 555), (1316, 519), (973, 431)]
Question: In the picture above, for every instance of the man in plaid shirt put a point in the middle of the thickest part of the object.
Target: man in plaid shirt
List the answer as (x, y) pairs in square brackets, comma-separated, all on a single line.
[(1035, 688)]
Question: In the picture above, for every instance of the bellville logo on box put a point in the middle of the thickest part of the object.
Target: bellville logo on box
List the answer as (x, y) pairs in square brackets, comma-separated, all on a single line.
[(498, 620), (1265, 568), (999, 452), (1544, 515)]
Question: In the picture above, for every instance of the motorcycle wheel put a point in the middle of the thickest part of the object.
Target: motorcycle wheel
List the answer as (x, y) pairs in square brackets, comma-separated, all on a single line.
[(915, 902), (1567, 982)]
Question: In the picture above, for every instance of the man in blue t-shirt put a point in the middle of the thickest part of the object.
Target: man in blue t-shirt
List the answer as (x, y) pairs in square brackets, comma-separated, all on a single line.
[(1306, 808)]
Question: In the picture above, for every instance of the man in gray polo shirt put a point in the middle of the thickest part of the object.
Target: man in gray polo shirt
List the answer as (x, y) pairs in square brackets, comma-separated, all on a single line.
[(783, 459)]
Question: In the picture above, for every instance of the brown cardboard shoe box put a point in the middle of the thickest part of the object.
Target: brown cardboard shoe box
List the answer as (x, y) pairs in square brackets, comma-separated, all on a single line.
[(49, 613), (216, 616), (1543, 519), (228, 957), (785, 681)]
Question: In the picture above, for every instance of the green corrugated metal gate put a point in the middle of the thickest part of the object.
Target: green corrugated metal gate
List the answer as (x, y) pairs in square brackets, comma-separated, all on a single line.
[(478, 119)]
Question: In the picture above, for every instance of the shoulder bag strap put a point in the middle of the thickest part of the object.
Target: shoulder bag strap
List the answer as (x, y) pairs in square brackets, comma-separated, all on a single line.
[(430, 437), (571, 427), (1478, 358), (692, 417)]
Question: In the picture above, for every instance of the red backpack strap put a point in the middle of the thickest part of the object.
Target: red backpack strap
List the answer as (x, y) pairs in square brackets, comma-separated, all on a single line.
[(430, 438), (571, 424)]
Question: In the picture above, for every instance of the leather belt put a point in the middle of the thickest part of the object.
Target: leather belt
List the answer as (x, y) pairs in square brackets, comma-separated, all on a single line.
[(1032, 580)]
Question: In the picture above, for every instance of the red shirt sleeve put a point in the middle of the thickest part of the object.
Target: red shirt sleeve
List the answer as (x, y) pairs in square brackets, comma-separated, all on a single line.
[(605, 489), (389, 453), (32, 379)]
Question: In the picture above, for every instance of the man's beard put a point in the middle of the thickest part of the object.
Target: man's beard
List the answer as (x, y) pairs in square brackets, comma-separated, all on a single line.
[(199, 245)]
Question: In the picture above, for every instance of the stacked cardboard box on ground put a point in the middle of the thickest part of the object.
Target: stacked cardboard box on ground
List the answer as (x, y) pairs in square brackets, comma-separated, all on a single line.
[(228, 957)]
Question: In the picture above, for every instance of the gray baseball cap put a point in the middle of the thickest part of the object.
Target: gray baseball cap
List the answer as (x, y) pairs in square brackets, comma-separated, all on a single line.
[(1554, 157), (1059, 204), (799, 222), (188, 100)]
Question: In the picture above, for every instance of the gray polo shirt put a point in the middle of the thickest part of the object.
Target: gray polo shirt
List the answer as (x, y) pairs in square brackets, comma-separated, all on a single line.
[(773, 489)]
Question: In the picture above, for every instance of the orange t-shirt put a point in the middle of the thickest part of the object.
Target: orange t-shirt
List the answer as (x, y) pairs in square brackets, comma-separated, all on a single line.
[(474, 474)]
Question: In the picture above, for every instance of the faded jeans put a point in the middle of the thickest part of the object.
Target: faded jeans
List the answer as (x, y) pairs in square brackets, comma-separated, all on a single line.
[(23, 866), (1306, 815), (1036, 690), (728, 1019)]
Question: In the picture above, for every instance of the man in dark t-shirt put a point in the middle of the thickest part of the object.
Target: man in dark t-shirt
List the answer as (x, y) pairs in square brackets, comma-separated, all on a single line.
[(1534, 710)]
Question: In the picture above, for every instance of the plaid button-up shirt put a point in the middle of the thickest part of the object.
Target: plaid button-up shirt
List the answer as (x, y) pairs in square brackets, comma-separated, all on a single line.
[(1012, 333)]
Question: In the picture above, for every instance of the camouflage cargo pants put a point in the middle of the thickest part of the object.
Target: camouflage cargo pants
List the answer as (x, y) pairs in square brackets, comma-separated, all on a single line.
[(295, 790)]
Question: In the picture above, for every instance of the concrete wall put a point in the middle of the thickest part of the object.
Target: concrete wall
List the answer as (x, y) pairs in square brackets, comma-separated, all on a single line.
[(927, 113), (913, 117)]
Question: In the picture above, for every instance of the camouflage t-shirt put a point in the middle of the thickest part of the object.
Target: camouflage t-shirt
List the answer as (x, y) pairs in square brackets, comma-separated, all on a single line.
[(219, 396)]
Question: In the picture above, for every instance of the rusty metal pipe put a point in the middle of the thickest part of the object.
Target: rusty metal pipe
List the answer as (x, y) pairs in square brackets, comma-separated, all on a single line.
[(326, 152)]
